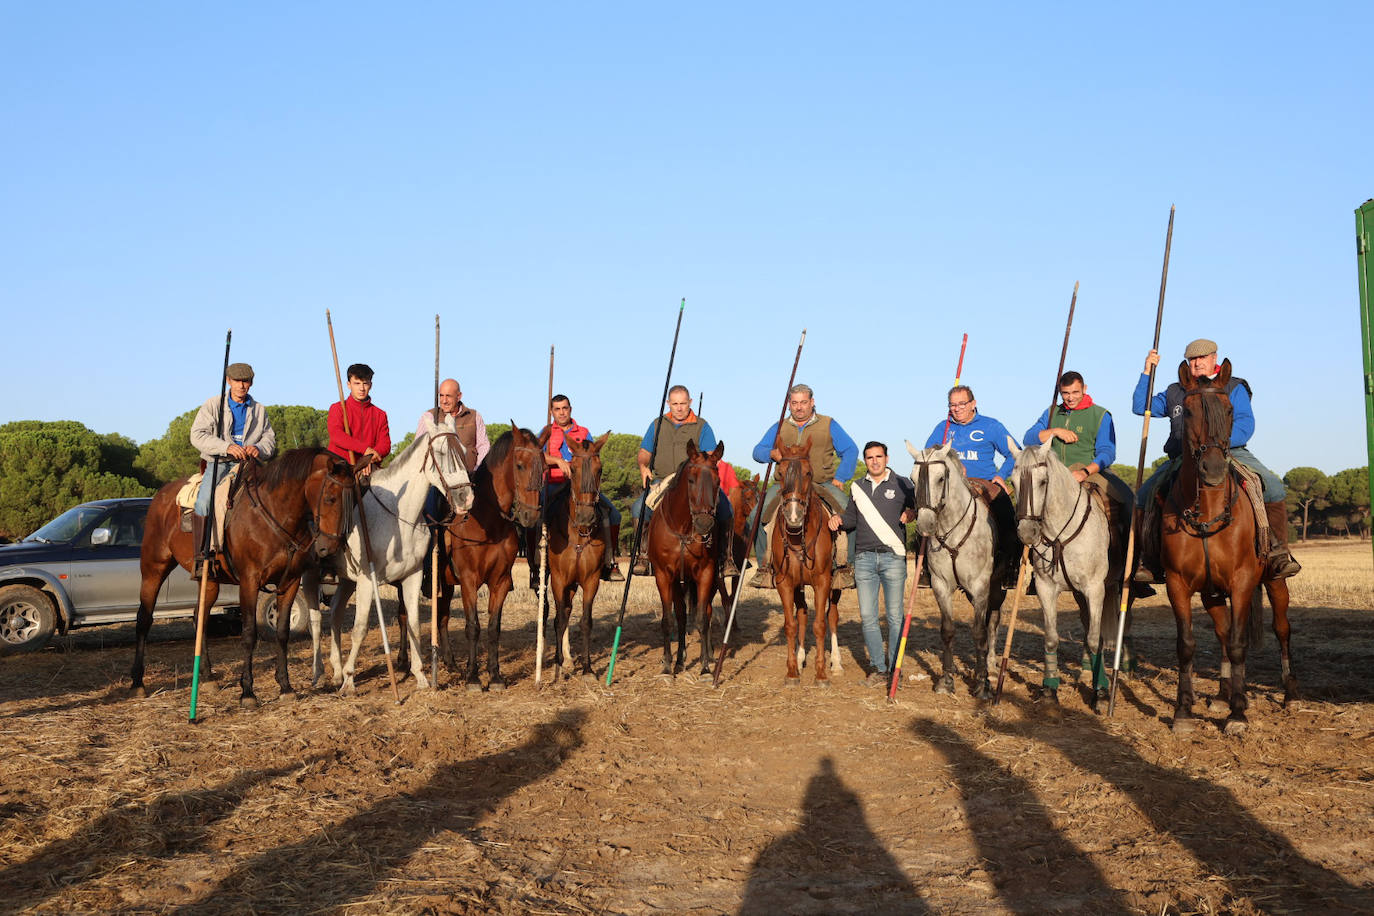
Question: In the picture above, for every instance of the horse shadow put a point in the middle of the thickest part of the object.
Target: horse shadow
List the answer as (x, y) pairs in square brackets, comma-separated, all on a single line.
[(177, 824), (1034, 868), (384, 836), (1221, 834), (831, 863)]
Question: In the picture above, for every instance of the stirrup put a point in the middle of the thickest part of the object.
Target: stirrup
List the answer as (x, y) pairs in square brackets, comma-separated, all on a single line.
[(763, 577), (640, 567), (728, 568), (1283, 565)]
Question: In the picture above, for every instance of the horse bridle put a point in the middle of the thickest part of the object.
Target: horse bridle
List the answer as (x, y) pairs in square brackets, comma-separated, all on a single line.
[(794, 538), (313, 531), (536, 481), (1025, 511), (1192, 515), (695, 512), (923, 490)]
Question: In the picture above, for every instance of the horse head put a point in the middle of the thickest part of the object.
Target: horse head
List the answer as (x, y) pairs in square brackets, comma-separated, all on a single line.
[(931, 476), (585, 483), (1035, 467), (1207, 417), (527, 475), (795, 483), (444, 467), (702, 480), (330, 491)]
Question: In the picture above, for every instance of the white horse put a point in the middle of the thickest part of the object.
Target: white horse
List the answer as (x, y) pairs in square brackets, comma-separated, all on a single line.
[(393, 505), (1069, 536), (961, 552)]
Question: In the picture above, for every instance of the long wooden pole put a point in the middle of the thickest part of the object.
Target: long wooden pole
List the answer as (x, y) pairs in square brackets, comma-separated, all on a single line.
[(1140, 473), (437, 532), (203, 612), (644, 501), (541, 615), (362, 520), (1023, 571), (920, 559), (758, 515)]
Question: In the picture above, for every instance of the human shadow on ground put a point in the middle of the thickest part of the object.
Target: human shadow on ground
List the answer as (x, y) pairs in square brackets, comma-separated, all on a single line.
[(831, 863), (171, 825), (359, 853), (1033, 866), (1225, 838)]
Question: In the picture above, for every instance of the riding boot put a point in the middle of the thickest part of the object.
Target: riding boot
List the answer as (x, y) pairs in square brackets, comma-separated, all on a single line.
[(1150, 570), (763, 577), (1280, 563), (640, 567), (198, 539), (609, 571), (724, 537)]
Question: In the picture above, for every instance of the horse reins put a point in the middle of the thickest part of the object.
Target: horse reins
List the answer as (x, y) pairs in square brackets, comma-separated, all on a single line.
[(1192, 515), (923, 492), (1025, 497)]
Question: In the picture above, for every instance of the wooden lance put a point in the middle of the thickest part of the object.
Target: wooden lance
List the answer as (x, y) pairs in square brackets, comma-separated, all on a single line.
[(203, 612)]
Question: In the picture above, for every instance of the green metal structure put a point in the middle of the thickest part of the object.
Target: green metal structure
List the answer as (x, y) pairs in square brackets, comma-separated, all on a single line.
[(1364, 256)]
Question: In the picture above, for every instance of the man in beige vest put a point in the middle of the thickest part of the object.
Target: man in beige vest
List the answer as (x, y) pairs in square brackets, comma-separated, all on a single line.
[(834, 456)]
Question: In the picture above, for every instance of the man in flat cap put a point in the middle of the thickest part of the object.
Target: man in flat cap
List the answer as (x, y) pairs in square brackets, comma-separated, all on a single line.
[(226, 431), (1201, 355)]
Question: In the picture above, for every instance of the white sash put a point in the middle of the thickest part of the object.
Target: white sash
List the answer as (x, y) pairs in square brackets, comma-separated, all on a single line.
[(875, 521)]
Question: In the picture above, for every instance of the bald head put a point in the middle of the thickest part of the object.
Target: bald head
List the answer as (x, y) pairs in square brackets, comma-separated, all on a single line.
[(449, 395)]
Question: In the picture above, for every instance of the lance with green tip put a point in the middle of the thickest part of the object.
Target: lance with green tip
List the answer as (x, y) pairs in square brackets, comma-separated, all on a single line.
[(541, 619), (202, 612), (1139, 474), (920, 559), (1023, 571), (758, 515), (644, 502)]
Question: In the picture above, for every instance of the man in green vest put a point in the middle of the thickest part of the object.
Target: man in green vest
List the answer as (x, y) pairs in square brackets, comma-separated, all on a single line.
[(1085, 440), (659, 461)]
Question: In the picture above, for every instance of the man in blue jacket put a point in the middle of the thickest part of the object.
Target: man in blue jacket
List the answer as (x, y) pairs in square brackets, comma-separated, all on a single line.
[(1201, 355), (833, 458)]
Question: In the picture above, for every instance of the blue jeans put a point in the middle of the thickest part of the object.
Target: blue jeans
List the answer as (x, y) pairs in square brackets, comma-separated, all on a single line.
[(832, 494), (724, 514), (871, 569), (203, 496)]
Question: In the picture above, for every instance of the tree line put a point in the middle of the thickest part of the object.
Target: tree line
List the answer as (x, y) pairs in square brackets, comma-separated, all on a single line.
[(48, 467)]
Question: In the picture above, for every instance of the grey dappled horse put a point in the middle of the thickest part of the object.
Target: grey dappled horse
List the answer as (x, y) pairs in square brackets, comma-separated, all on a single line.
[(960, 553), (393, 504), (1069, 537)]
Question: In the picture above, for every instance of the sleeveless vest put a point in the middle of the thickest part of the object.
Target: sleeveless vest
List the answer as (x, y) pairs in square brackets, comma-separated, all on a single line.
[(1173, 406), (1086, 423), (672, 444), (465, 422), (823, 458)]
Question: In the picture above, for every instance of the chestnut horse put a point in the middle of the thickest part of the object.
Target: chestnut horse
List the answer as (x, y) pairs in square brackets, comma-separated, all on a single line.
[(480, 548), (801, 549), (576, 548), (287, 514), (1209, 547), (683, 551), (743, 500)]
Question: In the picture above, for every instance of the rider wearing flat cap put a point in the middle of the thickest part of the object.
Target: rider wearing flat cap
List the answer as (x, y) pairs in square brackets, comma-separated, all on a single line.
[(1201, 355)]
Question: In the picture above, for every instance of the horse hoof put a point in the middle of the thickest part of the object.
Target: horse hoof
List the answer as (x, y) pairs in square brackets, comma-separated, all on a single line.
[(823, 684), (1218, 707), (248, 702), (347, 690), (945, 685), (290, 695), (1049, 696), (1234, 728), (1183, 726), (983, 691), (791, 682), (139, 692), (474, 686), (497, 687)]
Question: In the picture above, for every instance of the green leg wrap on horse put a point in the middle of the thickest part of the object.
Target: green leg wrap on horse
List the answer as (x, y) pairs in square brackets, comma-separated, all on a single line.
[(1099, 668), (1050, 683), (1051, 670)]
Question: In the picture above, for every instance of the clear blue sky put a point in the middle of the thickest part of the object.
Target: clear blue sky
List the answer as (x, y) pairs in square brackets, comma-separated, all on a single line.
[(888, 176)]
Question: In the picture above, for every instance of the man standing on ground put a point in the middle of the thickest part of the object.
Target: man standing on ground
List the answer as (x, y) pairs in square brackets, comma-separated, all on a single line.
[(880, 505)]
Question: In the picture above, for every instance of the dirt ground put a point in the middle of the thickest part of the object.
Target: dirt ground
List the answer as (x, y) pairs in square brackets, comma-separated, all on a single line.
[(663, 795)]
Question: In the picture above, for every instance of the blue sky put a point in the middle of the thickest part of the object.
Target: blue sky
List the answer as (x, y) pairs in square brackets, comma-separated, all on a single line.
[(888, 177)]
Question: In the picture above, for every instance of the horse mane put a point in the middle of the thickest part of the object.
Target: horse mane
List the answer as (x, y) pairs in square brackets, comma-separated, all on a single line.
[(296, 464), (1214, 413)]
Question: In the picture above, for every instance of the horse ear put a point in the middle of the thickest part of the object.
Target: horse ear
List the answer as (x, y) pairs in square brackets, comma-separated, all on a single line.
[(600, 441), (1015, 450), (913, 450), (1185, 376), (718, 452), (692, 449), (1224, 377)]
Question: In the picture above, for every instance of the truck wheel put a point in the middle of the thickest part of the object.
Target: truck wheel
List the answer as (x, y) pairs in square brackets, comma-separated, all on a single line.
[(267, 614), (27, 619)]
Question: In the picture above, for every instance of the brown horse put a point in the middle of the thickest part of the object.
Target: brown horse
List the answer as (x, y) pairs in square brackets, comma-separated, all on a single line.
[(743, 500), (683, 550), (286, 515), (1209, 547), (576, 548), (481, 546), (801, 549)]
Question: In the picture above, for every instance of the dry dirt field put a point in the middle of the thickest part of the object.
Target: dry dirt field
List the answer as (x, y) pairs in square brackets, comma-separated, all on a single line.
[(657, 795)]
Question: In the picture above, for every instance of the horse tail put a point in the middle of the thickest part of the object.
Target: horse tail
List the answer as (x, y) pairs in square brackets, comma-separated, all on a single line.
[(1254, 628)]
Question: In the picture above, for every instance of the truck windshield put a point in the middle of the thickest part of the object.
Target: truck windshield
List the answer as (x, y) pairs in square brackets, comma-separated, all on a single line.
[(68, 525)]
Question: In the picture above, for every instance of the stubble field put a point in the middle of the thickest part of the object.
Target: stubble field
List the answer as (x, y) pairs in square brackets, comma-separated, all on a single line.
[(661, 795)]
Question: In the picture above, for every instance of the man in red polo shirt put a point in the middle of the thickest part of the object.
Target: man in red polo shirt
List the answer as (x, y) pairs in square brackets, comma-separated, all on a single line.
[(556, 455), (368, 433)]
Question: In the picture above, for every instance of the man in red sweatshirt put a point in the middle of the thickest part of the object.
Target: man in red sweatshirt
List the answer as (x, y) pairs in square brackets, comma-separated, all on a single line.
[(368, 433)]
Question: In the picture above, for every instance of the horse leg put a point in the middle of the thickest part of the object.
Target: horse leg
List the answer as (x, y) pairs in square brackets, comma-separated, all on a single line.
[(1278, 600), (1090, 607), (347, 588), (789, 625), (496, 600), (1181, 598), (362, 613), (680, 618), (1233, 649), (705, 592), (1047, 591), (445, 616), (666, 600), (562, 613), (801, 626), (285, 599), (984, 625), (589, 590), (248, 596), (821, 593), (410, 628), (154, 574), (832, 621), (944, 598), (472, 629), (403, 616)]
